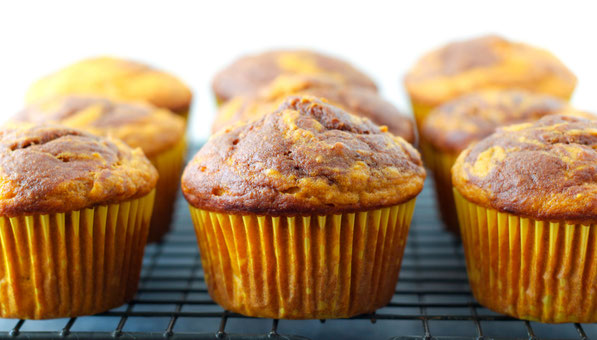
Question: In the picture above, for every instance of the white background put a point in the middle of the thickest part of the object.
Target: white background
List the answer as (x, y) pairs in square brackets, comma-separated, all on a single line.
[(193, 39)]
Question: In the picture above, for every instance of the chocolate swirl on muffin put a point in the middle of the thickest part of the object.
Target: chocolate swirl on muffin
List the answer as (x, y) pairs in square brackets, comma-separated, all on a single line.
[(137, 124), (52, 169), (253, 72), (545, 170), (488, 62), (116, 79), (360, 101), (308, 157), (454, 125)]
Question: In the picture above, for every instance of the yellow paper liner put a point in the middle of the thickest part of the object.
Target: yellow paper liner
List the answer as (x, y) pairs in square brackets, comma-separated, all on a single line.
[(169, 165), (441, 168), (310, 267), (420, 112), (426, 153), (70, 264), (529, 269)]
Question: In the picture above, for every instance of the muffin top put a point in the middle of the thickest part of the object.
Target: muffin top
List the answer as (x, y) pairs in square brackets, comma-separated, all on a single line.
[(545, 170), (360, 101), (488, 62), (253, 72), (452, 126), (116, 79), (308, 157), (47, 169), (138, 125)]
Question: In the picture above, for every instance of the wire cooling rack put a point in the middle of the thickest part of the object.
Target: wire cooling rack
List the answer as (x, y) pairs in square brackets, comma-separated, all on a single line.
[(432, 300)]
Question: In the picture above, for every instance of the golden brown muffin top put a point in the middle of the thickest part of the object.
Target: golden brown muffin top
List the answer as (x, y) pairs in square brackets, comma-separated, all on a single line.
[(359, 101), (117, 79), (253, 72), (488, 62), (48, 169), (546, 170), (137, 124), (308, 157), (452, 126)]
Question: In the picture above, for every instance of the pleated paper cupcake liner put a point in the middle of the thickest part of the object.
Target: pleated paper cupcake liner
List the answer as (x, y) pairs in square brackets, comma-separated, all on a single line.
[(420, 112), (426, 153), (312, 267), (441, 168), (529, 269), (70, 264), (169, 165)]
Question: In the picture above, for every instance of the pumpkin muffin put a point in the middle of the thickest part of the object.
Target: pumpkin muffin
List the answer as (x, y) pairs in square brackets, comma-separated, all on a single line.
[(253, 72), (487, 62), (453, 126), (527, 204), (360, 101), (158, 132), (303, 213), (117, 79), (74, 218)]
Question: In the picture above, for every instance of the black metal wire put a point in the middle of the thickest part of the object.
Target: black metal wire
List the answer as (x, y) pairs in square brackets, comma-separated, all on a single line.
[(66, 330), (433, 277), (476, 320), (581, 331), (15, 331), (530, 331)]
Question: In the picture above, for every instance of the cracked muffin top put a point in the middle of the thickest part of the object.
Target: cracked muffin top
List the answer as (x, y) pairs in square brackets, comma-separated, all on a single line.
[(253, 72), (359, 101), (117, 79), (308, 157), (488, 62), (545, 170), (137, 124), (48, 169), (452, 126)]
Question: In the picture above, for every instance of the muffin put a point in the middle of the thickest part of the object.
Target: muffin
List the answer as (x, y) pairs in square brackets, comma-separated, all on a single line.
[(360, 101), (158, 132), (74, 218), (453, 126), (488, 62), (527, 204), (253, 72), (116, 79), (303, 213)]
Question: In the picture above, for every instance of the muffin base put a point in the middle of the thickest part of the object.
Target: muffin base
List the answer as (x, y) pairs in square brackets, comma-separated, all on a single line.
[(169, 165), (441, 168), (420, 112), (311, 267), (530, 269), (71, 264)]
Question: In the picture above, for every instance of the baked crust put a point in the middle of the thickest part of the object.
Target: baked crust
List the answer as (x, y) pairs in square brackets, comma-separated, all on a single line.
[(306, 158), (452, 126), (253, 72), (487, 62), (137, 124), (359, 101), (546, 170), (48, 169), (117, 79)]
